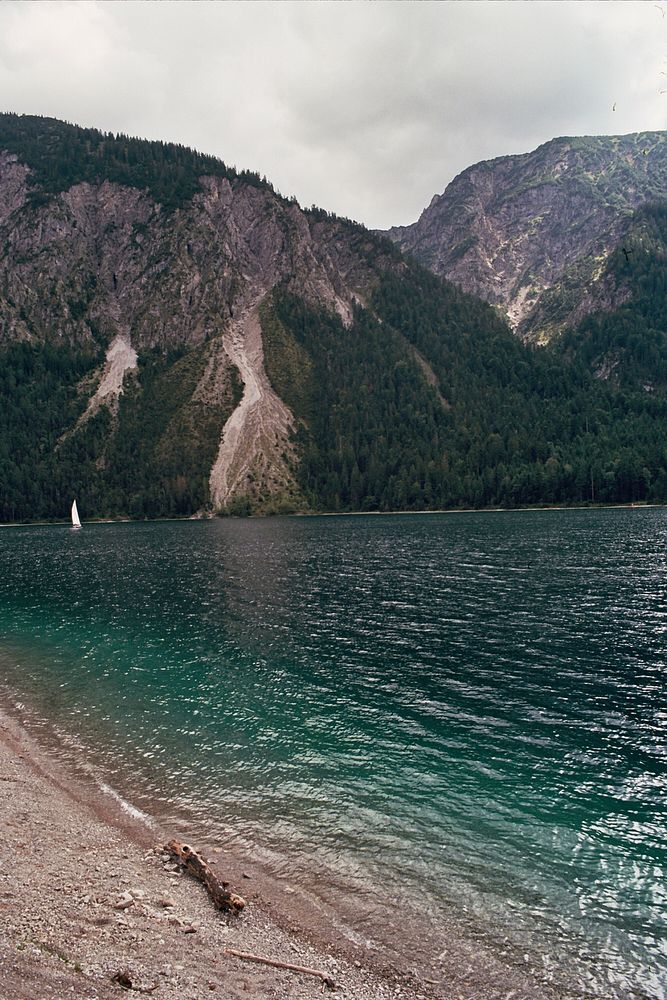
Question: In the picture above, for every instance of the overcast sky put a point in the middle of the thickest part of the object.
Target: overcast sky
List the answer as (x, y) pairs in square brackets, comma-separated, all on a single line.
[(367, 109)]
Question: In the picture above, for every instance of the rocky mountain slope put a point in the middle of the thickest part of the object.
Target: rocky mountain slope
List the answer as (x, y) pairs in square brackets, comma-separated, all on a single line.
[(105, 266), (622, 337), (532, 233), (178, 339)]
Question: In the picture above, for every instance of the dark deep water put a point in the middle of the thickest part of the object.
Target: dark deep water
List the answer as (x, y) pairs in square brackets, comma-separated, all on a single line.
[(471, 707)]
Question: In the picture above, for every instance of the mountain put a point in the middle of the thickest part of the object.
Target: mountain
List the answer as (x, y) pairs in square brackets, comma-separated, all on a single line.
[(533, 234), (148, 263), (178, 339)]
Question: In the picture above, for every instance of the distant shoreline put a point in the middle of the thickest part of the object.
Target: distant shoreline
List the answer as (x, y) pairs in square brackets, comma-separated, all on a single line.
[(480, 510), (340, 513)]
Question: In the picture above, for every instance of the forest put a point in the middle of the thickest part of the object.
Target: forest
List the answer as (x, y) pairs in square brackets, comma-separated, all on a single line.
[(504, 424), (150, 459)]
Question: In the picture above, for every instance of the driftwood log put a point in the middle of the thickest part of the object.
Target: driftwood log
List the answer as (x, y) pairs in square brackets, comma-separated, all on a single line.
[(219, 892), (247, 957), (124, 979)]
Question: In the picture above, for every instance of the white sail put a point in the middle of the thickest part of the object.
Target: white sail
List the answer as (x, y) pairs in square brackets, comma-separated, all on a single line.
[(76, 523)]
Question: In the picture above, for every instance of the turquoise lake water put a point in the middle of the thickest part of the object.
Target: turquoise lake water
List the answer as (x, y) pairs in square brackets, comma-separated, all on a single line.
[(471, 708)]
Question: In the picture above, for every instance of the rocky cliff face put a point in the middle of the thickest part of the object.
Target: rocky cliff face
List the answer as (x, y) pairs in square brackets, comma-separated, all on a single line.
[(103, 259), (532, 233), (105, 265)]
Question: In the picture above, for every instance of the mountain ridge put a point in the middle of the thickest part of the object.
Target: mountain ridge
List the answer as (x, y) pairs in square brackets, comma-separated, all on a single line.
[(513, 228), (176, 344)]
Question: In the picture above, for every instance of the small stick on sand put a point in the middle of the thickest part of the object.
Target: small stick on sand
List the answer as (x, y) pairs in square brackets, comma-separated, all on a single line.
[(222, 898), (327, 980)]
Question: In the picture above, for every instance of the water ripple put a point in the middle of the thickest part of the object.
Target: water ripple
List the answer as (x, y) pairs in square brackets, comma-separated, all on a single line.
[(470, 708)]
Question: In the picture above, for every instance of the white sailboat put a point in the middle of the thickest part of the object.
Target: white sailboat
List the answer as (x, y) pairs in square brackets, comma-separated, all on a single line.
[(76, 522)]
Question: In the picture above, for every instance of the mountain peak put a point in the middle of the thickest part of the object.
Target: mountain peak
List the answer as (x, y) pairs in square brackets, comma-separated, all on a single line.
[(511, 228)]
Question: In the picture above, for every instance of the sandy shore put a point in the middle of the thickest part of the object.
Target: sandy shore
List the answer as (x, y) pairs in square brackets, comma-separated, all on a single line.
[(84, 895)]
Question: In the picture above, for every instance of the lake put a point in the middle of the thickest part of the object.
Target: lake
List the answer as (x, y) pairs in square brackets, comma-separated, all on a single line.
[(465, 710)]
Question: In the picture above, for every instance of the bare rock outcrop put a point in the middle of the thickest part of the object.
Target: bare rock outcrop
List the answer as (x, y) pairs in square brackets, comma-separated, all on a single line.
[(514, 228)]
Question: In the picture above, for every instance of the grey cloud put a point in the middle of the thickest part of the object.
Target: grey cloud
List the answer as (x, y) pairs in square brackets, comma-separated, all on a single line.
[(366, 109)]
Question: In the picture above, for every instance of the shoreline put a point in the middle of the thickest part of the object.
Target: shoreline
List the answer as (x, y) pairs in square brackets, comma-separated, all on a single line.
[(341, 513), (75, 851), (86, 892)]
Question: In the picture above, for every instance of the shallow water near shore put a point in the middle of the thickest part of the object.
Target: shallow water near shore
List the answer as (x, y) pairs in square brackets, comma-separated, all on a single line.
[(462, 714)]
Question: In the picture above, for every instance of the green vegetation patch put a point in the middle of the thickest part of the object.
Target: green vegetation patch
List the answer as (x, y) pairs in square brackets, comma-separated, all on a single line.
[(524, 427), (60, 155), (152, 458), (39, 402), (375, 422), (288, 364), (157, 461)]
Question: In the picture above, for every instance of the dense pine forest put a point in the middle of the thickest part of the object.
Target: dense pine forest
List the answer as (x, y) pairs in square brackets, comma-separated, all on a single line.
[(425, 399), (151, 459), (503, 423)]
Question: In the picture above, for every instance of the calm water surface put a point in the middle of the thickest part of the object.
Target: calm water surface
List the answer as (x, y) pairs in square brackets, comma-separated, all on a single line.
[(467, 708)]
